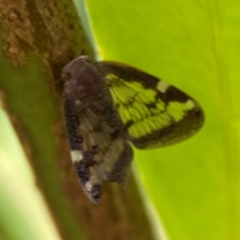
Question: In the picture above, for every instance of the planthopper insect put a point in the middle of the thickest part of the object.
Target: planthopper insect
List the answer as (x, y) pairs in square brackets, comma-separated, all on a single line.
[(109, 106)]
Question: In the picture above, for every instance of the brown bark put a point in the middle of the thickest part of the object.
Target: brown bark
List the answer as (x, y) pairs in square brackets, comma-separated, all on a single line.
[(38, 37)]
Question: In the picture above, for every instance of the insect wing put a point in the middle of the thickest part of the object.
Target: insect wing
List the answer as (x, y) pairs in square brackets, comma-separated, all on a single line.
[(154, 112)]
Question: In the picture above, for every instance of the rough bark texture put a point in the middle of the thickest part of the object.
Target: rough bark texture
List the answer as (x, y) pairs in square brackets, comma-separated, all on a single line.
[(38, 37)]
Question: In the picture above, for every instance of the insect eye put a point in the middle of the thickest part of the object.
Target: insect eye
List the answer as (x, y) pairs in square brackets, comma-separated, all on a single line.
[(66, 76), (85, 58)]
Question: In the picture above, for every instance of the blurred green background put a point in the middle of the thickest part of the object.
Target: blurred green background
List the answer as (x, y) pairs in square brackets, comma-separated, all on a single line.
[(194, 45)]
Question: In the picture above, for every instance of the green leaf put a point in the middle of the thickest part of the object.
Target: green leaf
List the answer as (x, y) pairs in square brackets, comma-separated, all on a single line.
[(21, 201), (194, 45)]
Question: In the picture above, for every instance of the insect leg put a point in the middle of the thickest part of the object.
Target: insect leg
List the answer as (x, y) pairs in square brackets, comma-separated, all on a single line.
[(122, 166)]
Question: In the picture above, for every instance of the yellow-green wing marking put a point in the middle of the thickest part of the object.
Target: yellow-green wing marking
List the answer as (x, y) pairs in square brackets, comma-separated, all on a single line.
[(154, 113)]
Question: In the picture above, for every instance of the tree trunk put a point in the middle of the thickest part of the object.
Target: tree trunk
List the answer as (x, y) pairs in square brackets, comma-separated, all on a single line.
[(39, 37)]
